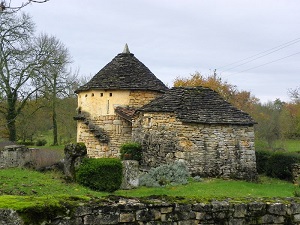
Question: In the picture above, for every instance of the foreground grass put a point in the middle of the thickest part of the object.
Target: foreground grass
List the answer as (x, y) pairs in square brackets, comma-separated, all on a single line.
[(220, 189), (21, 188), (25, 182)]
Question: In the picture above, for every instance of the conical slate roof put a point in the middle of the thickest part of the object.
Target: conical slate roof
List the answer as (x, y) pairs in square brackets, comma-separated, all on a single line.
[(198, 105), (125, 71)]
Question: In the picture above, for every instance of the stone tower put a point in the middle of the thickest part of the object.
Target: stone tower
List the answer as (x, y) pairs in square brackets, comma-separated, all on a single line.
[(107, 102)]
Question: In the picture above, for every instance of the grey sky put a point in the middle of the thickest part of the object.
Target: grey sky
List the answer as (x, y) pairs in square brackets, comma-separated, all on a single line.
[(178, 37)]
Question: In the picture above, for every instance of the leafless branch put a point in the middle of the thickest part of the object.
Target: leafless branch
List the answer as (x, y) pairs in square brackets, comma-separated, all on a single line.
[(8, 7)]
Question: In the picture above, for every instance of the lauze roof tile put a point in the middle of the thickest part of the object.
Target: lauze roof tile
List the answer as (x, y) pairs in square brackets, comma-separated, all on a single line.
[(198, 105), (125, 71)]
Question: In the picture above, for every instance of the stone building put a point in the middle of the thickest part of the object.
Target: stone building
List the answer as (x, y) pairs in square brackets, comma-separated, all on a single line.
[(124, 101), (196, 125), (107, 102)]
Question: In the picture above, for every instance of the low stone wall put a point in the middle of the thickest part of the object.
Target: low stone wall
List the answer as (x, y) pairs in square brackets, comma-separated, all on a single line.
[(132, 211), (296, 173), (15, 156)]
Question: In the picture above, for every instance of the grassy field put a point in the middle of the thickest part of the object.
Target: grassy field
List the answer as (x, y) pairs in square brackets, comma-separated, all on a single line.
[(279, 145), (17, 185)]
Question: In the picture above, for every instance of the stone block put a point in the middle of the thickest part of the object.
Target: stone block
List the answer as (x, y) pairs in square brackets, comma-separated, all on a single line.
[(117, 122), (272, 219), (277, 208), (130, 174), (297, 218), (240, 211), (188, 222), (166, 209), (148, 215), (127, 217)]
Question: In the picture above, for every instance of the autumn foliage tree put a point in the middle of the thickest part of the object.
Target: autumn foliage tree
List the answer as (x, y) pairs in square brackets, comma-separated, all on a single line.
[(241, 99)]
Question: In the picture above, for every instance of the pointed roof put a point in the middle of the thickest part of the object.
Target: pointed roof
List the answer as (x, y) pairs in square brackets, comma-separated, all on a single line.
[(198, 105), (124, 72)]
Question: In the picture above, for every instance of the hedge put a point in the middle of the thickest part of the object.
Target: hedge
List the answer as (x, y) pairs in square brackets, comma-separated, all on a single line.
[(103, 174), (276, 164)]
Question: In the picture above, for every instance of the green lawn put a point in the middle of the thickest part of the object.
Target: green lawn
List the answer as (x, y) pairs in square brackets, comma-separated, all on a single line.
[(22, 188), (220, 189)]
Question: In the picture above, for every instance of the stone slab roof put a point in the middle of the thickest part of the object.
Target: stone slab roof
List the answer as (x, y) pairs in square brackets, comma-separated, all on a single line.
[(198, 105), (125, 71), (125, 112)]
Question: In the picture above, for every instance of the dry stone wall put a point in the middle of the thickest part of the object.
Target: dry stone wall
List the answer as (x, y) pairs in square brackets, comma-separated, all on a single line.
[(213, 150), (131, 211), (15, 156), (117, 129), (140, 98)]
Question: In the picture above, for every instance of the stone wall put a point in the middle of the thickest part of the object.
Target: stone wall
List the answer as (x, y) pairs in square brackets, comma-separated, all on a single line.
[(209, 150), (132, 211), (15, 156), (140, 98), (98, 107), (117, 129)]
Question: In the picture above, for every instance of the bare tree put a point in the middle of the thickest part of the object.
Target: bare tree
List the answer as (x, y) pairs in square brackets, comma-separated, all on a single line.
[(9, 7), (58, 79), (295, 94), (22, 58)]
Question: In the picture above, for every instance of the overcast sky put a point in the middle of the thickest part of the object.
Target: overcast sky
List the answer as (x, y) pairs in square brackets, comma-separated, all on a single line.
[(179, 37)]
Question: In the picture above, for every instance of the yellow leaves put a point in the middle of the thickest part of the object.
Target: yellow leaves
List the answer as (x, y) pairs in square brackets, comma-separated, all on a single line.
[(240, 99)]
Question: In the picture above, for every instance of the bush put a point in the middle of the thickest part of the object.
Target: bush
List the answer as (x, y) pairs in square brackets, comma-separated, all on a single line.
[(131, 150), (262, 158), (279, 165), (41, 142), (169, 174), (27, 143), (100, 174)]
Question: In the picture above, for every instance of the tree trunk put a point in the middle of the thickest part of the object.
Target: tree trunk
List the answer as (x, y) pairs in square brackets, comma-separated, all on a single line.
[(11, 121), (54, 122)]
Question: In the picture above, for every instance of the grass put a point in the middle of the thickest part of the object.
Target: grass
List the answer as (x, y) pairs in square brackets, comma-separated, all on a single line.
[(24, 188), (24, 182), (289, 145), (219, 189)]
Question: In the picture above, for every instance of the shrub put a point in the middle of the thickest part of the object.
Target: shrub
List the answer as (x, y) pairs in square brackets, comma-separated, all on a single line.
[(131, 150), (168, 174), (41, 142), (279, 165), (262, 158), (27, 143), (100, 174)]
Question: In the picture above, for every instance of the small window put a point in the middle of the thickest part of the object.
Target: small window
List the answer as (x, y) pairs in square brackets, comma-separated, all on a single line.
[(92, 94), (110, 94), (86, 95), (101, 94)]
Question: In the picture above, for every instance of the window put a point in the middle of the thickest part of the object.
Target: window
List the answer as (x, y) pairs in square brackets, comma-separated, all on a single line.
[(92, 94), (107, 107), (101, 94), (110, 94)]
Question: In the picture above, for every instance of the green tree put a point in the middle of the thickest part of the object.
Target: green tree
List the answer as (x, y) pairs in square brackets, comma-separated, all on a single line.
[(269, 117), (22, 58)]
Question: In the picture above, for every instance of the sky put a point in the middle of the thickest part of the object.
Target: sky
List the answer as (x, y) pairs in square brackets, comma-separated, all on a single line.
[(253, 44)]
